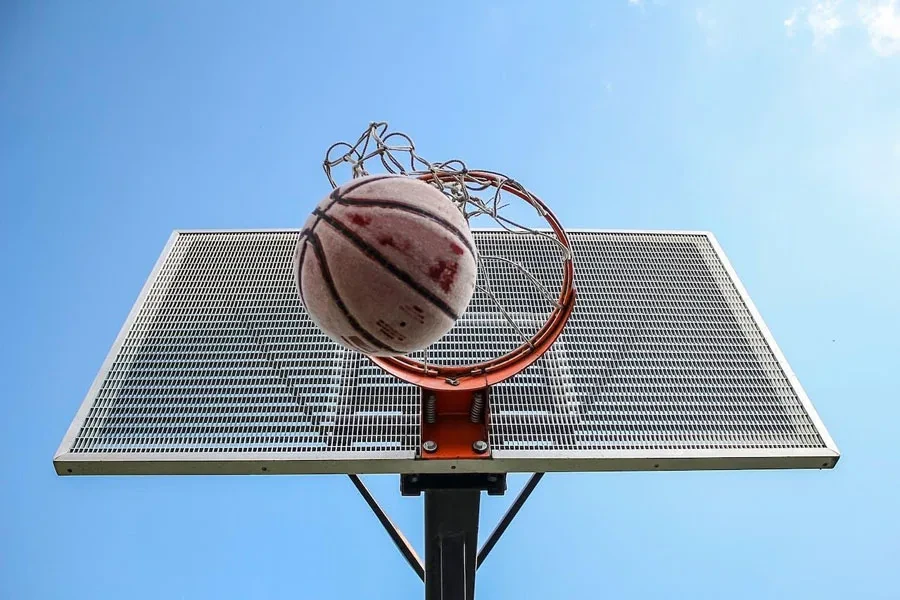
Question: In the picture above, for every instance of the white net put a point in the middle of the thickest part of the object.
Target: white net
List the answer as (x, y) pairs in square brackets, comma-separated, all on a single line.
[(487, 199)]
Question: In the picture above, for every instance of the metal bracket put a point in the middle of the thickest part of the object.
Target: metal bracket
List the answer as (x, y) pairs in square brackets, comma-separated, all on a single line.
[(511, 513), (414, 484), (454, 424), (397, 536)]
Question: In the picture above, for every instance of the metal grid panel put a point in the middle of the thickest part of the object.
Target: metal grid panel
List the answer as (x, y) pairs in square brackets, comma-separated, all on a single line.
[(661, 353), (221, 357), (218, 369)]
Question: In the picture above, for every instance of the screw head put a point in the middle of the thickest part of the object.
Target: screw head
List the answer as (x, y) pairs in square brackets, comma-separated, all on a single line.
[(480, 446), (429, 446)]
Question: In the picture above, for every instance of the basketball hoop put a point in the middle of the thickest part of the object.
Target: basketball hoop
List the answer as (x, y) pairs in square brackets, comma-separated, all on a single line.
[(483, 374), (458, 392)]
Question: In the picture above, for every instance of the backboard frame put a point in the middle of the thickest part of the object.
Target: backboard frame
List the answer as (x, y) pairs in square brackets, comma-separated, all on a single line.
[(211, 463)]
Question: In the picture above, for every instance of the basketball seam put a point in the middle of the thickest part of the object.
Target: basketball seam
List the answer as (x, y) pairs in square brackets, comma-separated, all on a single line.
[(337, 194), (414, 210), (304, 237), (382, 260), (335, 197), (313, 240)]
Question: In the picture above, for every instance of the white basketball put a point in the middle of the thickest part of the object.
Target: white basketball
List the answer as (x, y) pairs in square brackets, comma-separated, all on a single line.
[(385, 265)]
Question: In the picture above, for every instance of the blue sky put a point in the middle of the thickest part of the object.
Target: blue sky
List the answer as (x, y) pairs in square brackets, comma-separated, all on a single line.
[(774, 124)]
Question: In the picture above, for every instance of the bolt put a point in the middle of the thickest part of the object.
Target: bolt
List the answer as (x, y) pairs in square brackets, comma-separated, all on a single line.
[(480, 446), (429, 446), (492, 478)]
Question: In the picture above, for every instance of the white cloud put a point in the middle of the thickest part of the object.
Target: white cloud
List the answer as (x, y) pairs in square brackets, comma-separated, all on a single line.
[(635, 2), (791, 22), (882, 21), (823, 20)]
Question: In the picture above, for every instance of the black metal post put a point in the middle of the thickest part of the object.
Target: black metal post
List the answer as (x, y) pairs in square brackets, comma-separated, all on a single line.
[(451, 543)]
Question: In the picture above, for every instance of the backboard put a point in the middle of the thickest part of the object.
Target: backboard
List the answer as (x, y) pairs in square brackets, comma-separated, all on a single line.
[(664, 364)]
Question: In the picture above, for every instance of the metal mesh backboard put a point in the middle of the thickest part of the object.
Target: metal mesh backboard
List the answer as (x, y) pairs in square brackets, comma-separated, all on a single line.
[(665, 364)]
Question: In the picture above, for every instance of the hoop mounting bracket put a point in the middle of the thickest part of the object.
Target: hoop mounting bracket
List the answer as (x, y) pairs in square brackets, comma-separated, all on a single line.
[(454, 424)]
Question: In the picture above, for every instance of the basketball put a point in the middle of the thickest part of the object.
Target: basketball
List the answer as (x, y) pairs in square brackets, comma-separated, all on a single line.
[(385, 265)]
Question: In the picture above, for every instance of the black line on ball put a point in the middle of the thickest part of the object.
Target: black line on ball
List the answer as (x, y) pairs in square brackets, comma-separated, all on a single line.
[(375, 255), (336, 195), (304, 236), (394, 205), (339, 192), (313, 240)]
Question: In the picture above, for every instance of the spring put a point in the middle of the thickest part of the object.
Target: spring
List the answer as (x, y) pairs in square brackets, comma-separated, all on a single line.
[(476, 412), (430, 409)]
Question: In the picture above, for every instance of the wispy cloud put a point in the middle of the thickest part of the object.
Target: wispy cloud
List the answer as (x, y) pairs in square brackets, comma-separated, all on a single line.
[(635, 2), (823, 20), (882, 20), (820, 17), (791, 22)]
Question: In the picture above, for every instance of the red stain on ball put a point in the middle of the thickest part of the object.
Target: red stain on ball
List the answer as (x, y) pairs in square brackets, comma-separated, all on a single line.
[(400, 244), (444, 274), (457, 249), (361, 220)]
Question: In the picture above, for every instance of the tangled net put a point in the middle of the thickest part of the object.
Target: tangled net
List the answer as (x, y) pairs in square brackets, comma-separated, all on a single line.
[(476, 193)]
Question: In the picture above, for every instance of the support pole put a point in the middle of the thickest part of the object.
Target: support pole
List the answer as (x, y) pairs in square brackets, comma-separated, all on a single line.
[(451, 538)]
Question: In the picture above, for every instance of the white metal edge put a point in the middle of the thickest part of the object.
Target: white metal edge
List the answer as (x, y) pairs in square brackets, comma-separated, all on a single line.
[(667, 453), (527, 461), (254, 230), (685, 232), (776, 350), (89, 398), (486, 229)]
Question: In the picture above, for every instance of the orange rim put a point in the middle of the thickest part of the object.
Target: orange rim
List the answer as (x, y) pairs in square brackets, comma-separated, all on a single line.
[(477, 376)]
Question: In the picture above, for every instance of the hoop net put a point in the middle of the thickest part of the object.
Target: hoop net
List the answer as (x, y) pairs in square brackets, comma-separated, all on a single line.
[(515, 333)]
